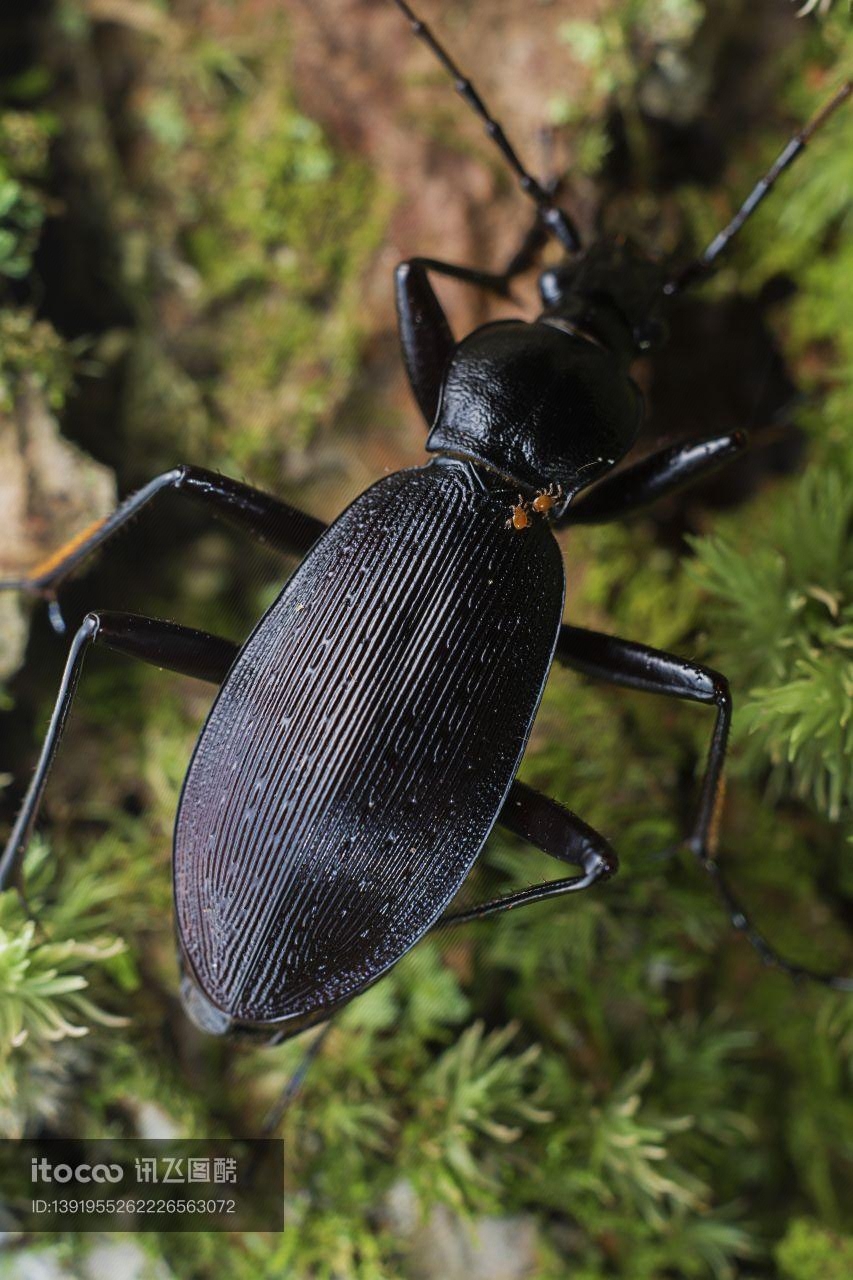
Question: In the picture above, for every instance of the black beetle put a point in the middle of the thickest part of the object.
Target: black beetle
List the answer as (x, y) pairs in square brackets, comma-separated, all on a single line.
[(367, 736)]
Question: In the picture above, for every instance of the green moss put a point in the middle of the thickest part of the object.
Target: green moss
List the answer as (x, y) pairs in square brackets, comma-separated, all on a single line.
[(810, 1252), (44, 987), (284, 228), (29, 347), (781, 591), (32, 350), (24, 139)]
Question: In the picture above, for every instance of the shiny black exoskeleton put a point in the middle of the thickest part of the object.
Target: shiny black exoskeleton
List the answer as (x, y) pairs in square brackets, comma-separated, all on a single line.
[(367, 736), (552, 403)]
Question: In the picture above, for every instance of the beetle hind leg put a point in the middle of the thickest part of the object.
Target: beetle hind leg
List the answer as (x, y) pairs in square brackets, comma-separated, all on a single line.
[(636, 666), (741, 921), (293, 1088), (558, 832), (165, 644)]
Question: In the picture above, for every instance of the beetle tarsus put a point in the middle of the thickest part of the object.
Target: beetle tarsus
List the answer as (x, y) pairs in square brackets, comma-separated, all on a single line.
[(741, 921)]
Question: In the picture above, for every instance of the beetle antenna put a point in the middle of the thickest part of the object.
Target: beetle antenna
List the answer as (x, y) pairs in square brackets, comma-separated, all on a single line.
[(556, 219), (705, 263)]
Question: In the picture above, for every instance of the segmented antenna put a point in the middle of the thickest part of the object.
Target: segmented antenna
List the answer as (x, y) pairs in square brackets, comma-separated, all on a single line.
[(704, 264), (556, 219)]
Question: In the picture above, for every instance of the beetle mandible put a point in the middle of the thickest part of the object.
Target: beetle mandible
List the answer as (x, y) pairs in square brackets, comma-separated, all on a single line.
[(367, 736)]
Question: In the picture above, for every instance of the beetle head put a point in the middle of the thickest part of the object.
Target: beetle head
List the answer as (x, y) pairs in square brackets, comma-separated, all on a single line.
[(613, 292)]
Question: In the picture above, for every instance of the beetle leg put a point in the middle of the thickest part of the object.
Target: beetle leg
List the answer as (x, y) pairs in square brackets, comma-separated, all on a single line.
[(536, 893), (425, 334), (281, 526), (165, 644), (636, 666), (282, 1104), (656, 476), (493, 281), (556, 831)]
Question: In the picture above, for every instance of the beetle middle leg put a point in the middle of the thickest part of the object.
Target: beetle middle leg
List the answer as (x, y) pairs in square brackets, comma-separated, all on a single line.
[(658, 475), (267, 518), (165, 644), (636, 666)]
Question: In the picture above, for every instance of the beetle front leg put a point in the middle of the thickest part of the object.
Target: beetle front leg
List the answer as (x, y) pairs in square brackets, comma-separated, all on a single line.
[(636, 666), (164, 644), (425, 334), (266, 518)]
